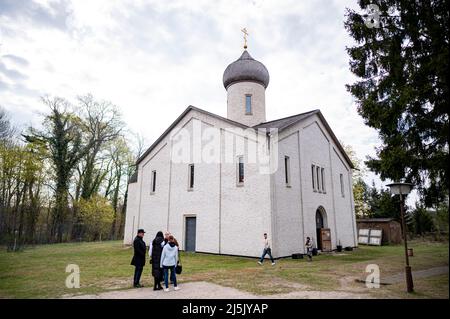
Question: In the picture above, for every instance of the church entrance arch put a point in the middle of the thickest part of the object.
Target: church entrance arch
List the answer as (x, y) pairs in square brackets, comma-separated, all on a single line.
[(322, 230)]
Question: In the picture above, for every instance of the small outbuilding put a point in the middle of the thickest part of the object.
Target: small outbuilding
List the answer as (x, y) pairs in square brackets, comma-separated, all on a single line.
[(391, 229)]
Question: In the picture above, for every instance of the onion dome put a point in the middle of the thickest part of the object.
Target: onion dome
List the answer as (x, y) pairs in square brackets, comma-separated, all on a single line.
[(246, 69)]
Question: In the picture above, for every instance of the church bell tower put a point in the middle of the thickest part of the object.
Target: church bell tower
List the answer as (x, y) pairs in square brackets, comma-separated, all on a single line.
[(246, 80)]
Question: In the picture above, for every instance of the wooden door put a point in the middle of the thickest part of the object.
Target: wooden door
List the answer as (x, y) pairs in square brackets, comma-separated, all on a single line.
[(325, 239)]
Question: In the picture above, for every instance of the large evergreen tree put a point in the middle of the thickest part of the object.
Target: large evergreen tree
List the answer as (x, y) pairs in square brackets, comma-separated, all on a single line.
[(401, 60)]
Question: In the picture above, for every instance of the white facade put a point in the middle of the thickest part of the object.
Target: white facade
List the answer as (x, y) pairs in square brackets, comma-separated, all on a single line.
[(308, 143), (216, 200), (231, 217)]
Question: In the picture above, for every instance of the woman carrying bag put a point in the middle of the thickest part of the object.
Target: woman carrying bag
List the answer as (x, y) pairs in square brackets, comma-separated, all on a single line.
[(169, 262)]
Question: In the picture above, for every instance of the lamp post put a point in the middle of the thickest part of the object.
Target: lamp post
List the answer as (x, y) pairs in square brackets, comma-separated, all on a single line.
[(403, 189)]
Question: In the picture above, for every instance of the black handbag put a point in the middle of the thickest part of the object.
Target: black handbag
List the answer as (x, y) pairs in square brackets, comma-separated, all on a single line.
[(179, 267)]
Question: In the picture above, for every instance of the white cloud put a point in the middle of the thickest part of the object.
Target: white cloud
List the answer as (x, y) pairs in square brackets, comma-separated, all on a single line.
[(154, 58)]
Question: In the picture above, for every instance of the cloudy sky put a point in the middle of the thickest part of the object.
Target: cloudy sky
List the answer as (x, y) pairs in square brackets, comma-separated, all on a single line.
[(154, 58)]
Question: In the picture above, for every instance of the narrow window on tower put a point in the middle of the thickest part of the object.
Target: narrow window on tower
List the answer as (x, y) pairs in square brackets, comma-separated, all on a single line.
[(191, 177), (313, 177), (153, 183), (341, 179), (240, 170), (287, 170), (248, 104)]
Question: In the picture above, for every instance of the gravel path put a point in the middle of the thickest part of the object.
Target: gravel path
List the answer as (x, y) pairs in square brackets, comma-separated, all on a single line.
[(206, 290), (400, 277)]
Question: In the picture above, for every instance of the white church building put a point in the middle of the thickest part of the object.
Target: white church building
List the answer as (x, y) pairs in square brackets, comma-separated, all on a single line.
[(218, 187)]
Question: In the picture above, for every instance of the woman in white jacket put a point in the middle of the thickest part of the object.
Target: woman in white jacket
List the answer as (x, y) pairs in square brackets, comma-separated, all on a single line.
[(169, 260)]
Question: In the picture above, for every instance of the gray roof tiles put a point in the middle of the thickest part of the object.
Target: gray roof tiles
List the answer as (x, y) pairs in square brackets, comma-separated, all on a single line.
[(280, 124), (285, 121), (246, 69), (133, 178)]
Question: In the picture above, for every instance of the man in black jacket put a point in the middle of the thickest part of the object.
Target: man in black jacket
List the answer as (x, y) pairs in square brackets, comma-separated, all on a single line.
[(138, 260)]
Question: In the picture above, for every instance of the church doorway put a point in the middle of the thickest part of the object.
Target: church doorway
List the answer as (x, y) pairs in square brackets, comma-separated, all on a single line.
[(190, 233), (322, 230)]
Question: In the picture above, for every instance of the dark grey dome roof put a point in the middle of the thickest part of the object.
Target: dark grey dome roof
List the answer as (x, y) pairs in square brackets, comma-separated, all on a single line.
[(246, 69)]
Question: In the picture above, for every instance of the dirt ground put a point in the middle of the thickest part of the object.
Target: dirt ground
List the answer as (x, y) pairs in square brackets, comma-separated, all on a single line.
[(206, 290)]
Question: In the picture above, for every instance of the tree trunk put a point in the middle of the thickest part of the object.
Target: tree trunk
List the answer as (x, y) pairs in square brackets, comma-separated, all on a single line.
[(59, 212), (115, 202)]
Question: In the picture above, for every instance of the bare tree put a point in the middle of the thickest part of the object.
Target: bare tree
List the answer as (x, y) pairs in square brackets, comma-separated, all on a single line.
[(63, 137), (122, 159), (103, 124), (140, 144), (6, 130)]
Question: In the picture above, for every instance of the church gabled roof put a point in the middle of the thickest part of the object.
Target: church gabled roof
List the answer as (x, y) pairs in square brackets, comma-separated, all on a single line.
[(179, 118), (133, 178), (286, 122), (280, 124)]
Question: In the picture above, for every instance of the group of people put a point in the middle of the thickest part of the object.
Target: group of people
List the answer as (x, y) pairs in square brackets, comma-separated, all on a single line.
[(268, 250), (164, 259)]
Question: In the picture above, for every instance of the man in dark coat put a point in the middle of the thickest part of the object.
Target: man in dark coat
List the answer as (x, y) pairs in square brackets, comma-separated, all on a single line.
[(138, 260), (155, 255)]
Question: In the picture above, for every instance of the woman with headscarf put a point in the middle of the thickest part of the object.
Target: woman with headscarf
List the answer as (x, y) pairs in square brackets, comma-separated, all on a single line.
[(155, 260)]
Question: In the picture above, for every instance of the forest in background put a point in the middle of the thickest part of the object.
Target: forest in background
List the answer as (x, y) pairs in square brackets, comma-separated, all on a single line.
[(68, 179)]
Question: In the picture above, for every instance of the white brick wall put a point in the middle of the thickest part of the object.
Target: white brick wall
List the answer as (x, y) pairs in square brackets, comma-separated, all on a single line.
[(287, 204), (232, 219), (345, 220), (230, 224), (294, 208)]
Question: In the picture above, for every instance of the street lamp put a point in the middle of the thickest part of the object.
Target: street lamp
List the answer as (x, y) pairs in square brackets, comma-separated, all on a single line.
[(403, 189)]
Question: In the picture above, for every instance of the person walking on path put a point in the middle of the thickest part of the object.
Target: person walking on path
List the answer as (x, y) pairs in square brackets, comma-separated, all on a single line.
[(267, 250), (138, 260), (309, 248), (169, 261), (155, 253)]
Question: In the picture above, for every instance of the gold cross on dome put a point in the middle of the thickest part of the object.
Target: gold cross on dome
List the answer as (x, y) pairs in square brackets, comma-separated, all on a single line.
[(245, 37)]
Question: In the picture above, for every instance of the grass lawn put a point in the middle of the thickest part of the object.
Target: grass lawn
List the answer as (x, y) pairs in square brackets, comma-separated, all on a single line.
[(39, 272)]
